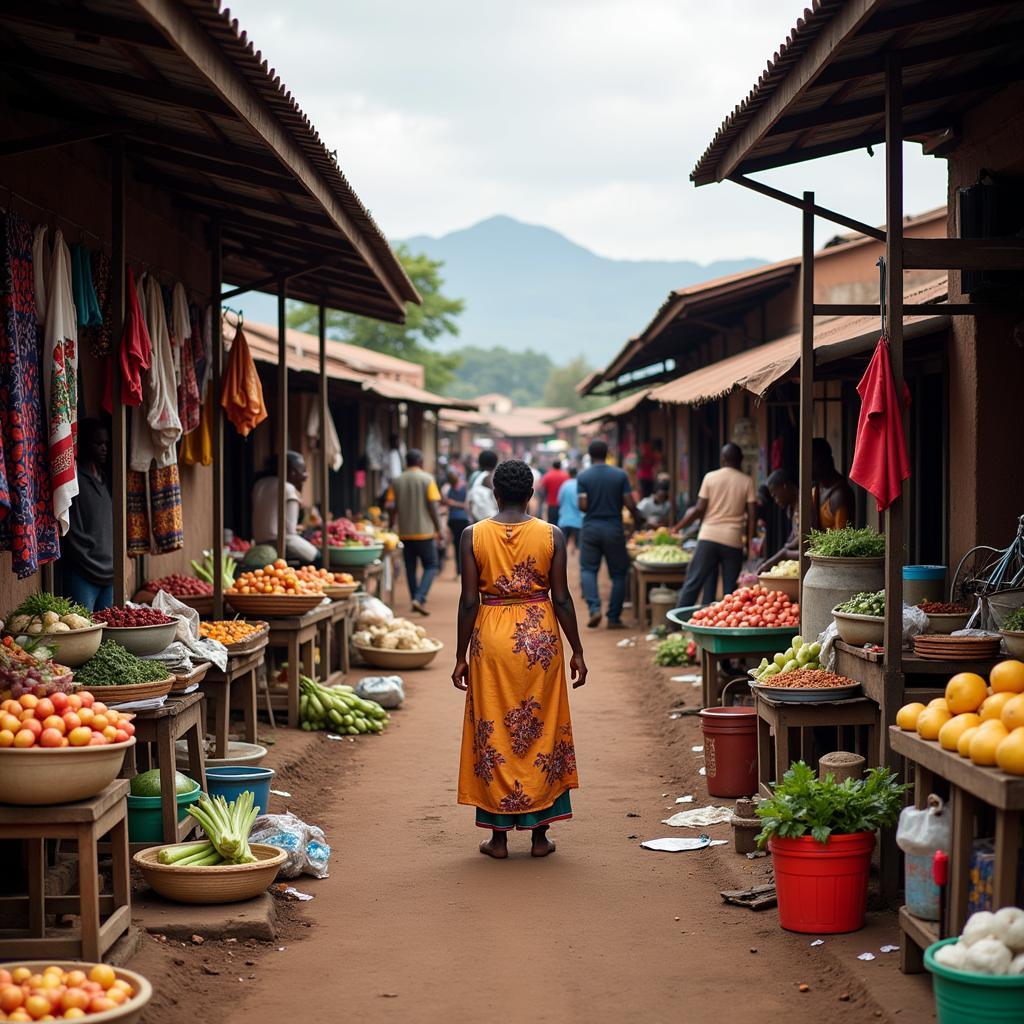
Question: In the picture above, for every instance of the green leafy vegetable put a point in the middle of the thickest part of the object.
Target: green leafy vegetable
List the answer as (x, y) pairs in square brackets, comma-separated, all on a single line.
[(674, 650), (227, 825), (112, 665), (1015, 621), (37, 605), (804, 805), (190, 855), (865, 603), (848, 542)]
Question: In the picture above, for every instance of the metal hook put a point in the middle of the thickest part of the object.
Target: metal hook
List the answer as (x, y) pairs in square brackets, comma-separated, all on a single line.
[(881, 289)]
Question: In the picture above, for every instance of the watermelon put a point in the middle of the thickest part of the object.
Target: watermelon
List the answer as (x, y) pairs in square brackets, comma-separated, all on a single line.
[(148, 783)]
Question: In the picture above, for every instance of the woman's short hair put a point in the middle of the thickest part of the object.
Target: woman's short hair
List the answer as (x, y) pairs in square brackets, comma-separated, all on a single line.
[(513, 482)]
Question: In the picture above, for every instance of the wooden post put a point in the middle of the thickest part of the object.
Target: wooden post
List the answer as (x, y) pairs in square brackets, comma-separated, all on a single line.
[(282, 418), (325, 474), (217, 426), (806, 377), (118, 432)]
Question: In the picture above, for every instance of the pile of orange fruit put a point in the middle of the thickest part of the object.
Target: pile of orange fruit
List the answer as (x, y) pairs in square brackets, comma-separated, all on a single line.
[(324, 577), (56, 994), (981, 720), (228, 631), (276, 579)]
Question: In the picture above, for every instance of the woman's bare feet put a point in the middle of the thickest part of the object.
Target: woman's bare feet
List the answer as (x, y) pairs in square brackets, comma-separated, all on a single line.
[(542, 846), (496, 846)]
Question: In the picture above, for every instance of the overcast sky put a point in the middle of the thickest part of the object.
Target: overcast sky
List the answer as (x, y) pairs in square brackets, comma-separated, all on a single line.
[(583, 115)]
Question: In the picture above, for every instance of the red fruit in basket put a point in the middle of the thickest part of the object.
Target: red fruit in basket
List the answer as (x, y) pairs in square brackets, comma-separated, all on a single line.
[(120, 736), (97, 740), (80, 736), (99, 708), (71, 721), (59, 701), (86, 698), (128, 727), (56, 723), (33, 725), (24, 738), (44, 708), (10, 722), (28, 700), (6, 738), (51, 738)]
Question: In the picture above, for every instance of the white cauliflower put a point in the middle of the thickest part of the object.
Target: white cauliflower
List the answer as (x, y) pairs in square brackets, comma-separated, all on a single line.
[(364, 638), (420, 631), (408, 642), (389, 642), (49, 618), (1017, 965), (74, 621), (59, 627), (980, 925), (987, 956), (1008, 927), (19, 623), (951, 955)]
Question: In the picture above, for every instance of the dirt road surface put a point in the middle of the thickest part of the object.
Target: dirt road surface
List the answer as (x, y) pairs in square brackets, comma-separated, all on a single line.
[(414, 924)]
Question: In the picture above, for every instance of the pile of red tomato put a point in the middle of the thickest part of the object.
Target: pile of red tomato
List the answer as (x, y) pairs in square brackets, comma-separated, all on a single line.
[(181, 586), (755, 607), (61, 720)]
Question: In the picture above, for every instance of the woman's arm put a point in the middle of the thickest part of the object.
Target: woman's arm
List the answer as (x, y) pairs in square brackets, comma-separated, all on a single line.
[(469, 603), (565, 610)]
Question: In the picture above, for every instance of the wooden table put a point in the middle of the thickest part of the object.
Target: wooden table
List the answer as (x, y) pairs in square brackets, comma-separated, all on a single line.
[(297, 634), (643, 577), (84, 823), (970, 787), (334, 637), (237, 680), (782, 716), (179, 717)]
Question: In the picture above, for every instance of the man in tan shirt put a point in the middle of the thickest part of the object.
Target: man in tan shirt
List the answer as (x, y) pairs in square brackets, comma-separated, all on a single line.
[(727, 509)]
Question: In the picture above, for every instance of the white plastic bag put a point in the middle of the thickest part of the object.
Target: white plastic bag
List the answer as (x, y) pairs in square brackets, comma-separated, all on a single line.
[(387, 691), (371, 611), (305, 845), (923, 831)]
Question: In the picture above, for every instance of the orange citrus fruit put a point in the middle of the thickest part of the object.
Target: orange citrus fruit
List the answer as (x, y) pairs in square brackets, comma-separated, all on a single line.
[(1007, 676), (906, 717), (1013, 712), (930, 721), (939, 702), (986, 741), (1010, 753), (950, 733), (993, 706), (963, 745), (965, 692)]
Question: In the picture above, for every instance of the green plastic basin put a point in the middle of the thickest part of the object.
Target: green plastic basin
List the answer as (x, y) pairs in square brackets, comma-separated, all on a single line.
[(979, 998), (739, 640), (145, 817)]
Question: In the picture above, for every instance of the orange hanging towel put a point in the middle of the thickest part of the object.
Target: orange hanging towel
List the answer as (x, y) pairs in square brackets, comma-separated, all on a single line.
[(242, 394)]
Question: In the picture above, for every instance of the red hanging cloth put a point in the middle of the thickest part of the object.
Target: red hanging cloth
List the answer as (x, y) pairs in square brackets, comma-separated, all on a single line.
[(880, 462), (136, 352)]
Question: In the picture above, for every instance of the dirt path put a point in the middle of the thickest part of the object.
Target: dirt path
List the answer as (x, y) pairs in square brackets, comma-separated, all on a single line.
[(415, 925)]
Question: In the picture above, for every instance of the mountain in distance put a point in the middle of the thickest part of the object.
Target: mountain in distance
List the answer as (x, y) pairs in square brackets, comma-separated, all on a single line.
[(527, 286)]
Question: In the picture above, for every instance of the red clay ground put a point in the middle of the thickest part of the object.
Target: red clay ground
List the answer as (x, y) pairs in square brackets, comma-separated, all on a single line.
[(415, 925)]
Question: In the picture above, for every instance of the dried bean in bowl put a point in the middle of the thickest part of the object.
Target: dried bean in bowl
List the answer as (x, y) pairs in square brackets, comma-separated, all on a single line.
[(124, 617), (808, 679)]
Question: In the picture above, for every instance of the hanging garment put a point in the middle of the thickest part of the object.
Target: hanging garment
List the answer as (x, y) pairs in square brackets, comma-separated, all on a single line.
[(136, 352), (60, 381), (181, 328), (99, 337), (189, 402), (137, 505), (880, 462), (41, 262), (165, 512), (197, 447), (331, 442), (204, 354), (242, 393), (376, 456), (86, 303), (27, 525)]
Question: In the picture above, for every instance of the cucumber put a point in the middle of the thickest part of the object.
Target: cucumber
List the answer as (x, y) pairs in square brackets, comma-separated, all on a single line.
[(779, 659), (791, 666), (352, 730)]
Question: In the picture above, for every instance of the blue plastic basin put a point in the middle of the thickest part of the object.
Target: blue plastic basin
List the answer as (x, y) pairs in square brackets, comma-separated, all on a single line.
[(229, 781)]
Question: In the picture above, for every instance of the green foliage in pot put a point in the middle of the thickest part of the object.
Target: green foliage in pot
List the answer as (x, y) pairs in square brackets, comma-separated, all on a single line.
[(803, 805), (849, 542)]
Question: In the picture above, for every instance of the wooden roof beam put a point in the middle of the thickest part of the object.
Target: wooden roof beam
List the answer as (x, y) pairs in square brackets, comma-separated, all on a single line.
[(61, 137), (927, 11), (83, 24)]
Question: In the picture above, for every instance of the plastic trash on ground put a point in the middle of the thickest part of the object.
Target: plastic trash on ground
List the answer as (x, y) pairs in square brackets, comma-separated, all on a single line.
[(673, 845), (371, 611), (387, 691), (305, 845)]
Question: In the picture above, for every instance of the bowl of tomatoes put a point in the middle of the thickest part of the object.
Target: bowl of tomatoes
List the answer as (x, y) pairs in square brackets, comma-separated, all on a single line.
[(61, 748), (754, 613), (47, 990)]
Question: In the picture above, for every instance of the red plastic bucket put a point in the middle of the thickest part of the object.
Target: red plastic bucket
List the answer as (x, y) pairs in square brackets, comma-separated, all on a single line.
[(730, 750), (822, 887)]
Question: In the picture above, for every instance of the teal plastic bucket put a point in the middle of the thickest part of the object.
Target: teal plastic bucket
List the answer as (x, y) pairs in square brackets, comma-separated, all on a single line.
[(922, 892), (978, 998), (230, 780), (145, 815)]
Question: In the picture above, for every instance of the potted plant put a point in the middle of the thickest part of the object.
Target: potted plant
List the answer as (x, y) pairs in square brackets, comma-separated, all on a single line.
[(843, 563), (821, 833)]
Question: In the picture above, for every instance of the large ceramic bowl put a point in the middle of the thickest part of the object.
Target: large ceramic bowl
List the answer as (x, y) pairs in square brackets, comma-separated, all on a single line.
[(943, 622), (273, 606), (398, 659), (143, 640), (222, 883), (75, 647), (1014, 643), (239, 755), (128, 1013), (858, 630), (39, 776), (789, 585), (362, 555)]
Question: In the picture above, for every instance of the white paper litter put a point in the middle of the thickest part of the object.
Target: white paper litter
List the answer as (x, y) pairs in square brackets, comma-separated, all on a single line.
[(148, 704), (866, 956), (698, 750), (818, 942), (702, 771), (331, 736), (293, 894), (889, 949), (626, 643), (673, 845), (699, 817), (688, 799), (689, 677), (280, 792)]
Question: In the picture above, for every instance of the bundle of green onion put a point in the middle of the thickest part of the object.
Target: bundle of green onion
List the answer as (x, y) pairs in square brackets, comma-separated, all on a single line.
[(227, 826)]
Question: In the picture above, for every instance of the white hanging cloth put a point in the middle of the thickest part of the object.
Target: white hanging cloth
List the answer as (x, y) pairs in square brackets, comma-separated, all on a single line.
[(181, 327), (41, 267), (331, 443), (60, 381)]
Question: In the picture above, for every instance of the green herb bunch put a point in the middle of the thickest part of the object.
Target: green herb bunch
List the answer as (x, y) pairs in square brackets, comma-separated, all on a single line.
[(1015, 621), (673, 650), (849, 542), (865, 603), (37, 605), (112, 665), (804, 805)]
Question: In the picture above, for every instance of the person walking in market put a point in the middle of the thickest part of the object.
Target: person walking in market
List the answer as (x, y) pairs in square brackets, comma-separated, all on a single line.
[(727, 510), (603, 491), (480, 496), (414, 499), (570, 518), (550, 484), (518, 760), (453, 495)]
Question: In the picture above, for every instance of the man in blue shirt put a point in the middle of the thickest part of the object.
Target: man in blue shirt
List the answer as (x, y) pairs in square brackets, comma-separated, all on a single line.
[(603, 490), (570, 518)]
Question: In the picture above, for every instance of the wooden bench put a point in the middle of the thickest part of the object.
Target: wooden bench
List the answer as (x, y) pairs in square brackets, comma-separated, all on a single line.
[(104, 917), (643, 578), (297, 636), (235, 686)]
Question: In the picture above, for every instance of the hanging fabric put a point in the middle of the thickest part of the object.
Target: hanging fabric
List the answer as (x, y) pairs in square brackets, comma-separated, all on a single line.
[(204, 354), (60, 380), (880, 462), (28, 528), (330, 442), (189, 402), (197, 447), (86, 303), (166, 517), (136, 351), (41, 260), (99, 337), (242, 394), (181, 327), (137, 508)]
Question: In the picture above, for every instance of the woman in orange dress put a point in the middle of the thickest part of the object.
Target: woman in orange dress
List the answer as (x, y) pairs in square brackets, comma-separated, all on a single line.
[(518, 760)]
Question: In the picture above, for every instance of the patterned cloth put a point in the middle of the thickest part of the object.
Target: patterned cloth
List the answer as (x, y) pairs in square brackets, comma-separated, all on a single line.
[(137, 503), (99, 337), (27, 525), (197, 447), (168, 526), (518, 755), (189, 402), (60, 382)]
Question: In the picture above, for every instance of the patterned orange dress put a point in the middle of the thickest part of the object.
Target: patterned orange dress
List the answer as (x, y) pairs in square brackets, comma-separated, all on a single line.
[(518, 760)]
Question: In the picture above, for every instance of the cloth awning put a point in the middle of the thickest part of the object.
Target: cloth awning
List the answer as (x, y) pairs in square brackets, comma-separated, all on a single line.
[(619, 408), (758, 369)]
